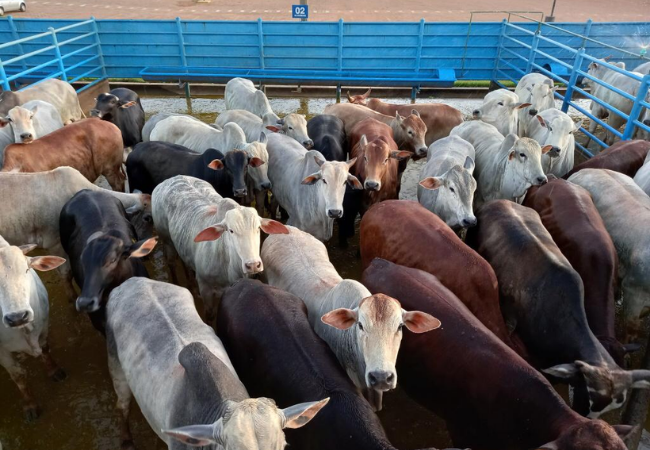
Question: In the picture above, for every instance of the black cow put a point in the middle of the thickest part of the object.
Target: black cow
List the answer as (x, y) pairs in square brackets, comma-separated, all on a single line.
[(122, 107), (490, 397), (328, 133), (102, 248), (151, 163), (277, 354)]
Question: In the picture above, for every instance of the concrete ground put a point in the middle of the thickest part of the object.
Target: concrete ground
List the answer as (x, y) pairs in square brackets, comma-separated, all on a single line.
[(327, 10)]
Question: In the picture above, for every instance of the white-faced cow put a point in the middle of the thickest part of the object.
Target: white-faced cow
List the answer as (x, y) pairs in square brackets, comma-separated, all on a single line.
[(362, 329), (184, 382), (293, 125), (555, 128), (58, 93), (538, 90), (500, 108)]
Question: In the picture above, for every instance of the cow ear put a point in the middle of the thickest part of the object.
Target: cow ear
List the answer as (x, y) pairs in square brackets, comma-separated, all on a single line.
[(354, 182), (299, 415), (262, 139), (431, 183), (211, 233), (419, 322), (398, 117), (511, 155), (363, 141), (469, 164), (270, 226), (34, 110), (509, 142), (45, 263), (4, 122), (255, 162), (27, 248), (273, 128), (416, 112), (341, 318), (127, 104), (351, 162), (312, 179), (216, 164), (577, 125), (521, 105), (367, 94), (563, 371), (350, 99), (197, 435), (541, 121), (320, 161), (400, 155), (141, 248), (546, 149)]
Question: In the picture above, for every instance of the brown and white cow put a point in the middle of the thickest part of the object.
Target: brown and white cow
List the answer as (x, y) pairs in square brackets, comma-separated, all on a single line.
[(93, 147), (440, 119)]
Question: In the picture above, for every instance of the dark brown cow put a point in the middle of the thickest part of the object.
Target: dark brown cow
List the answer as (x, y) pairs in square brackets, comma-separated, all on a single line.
[(570, 216), (440, 119), (625, 157), (427, 243), (93, 147), (490, 397)]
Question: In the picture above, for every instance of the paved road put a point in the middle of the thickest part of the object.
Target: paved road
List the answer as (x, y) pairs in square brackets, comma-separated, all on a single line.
[(358, 10)]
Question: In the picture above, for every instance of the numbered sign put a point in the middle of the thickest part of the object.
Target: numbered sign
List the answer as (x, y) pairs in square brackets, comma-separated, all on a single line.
[(300, 11)]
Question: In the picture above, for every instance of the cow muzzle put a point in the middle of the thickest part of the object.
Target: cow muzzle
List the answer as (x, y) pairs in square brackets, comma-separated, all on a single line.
[(96, 113), (87, 304), (532, 112), (308, 144), (253, 267), (371, 185), (240, 192), (468, 222), (335, 213), (541, 180), (27, 138), (554, 152), (18, 319), (382, 380), (476, 114)]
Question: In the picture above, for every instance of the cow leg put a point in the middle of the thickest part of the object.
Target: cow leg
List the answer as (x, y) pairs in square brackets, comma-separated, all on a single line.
[(615, 121), (53, 370), (65, 271), (211, 296), (275, 206), (260, 201), (17, 374), (171, 256), (124, 396), (115, 178), (634, 303)]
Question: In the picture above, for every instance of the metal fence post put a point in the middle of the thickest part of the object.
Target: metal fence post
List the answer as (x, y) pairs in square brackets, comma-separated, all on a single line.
[(14, 35), (577, 63), (57, 52), (340, 60), (181, 46), (100, 53), (630, 127), (495, 71), (3, 74), (587, 32), (533, 52), (260, 34), (418, 59)]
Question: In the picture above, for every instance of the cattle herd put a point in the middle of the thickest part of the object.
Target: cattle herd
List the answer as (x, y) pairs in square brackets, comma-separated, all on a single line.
[(502, 279)]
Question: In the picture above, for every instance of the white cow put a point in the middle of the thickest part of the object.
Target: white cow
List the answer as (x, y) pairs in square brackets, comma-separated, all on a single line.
[(298, 263), (24, 309), (500, 108), (538, 90), (625, 210), (446, 185), (25, 123), (156, 118), (505, 167), (309, 188), (642, 177), (620, 81), (555, 128), (33, 203), (161, 353), (215, 237), (198, 136), (643, 68), (241, 93), (58, 93), (293, 125)]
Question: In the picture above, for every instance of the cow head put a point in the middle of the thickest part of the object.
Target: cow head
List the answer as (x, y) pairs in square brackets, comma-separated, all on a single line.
[(107, 106), (559, 136), (235, 164), (251, 423), (376, 162), (106, 263), (500, 109), (541, 96), (607, 387), (591, 435), (359, 99), (410, 132), (294, 126), (21, 121), (377, 325), (140, 215), (259, 170), (331, 180), (17, 283), (239, 231), (456, 189), (524, 166), (8, 100)]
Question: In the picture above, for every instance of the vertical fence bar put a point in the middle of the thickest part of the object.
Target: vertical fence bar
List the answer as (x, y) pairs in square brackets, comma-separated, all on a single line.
[(495, 72), (14, 35), (418, 59), (3, 74), (577, 63), (630, 127), (100, 52), (260, 41), (181, 46), (587, 32), (533, 52), (57, 52), (340, 60)]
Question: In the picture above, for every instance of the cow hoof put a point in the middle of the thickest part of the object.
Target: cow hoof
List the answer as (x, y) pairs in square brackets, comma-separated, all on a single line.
[(31, 413), (58, 375), (127, 445)]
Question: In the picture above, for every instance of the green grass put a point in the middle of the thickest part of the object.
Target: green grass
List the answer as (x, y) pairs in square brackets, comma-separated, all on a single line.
[(479, 83)]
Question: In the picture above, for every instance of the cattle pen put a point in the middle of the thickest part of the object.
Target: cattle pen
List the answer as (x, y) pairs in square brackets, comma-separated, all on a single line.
[(419, 60)]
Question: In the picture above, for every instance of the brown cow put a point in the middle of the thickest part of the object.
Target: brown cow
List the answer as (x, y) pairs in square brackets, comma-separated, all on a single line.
[(93, 147), (490, 398), (440, 119), (570, 216), (625, 157), (408, 131), (428, 244)]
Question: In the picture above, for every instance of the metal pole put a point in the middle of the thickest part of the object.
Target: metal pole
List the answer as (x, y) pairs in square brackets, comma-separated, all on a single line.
[(568, 95), (551, 18), (14, 34), (57, 52), (630, 127), (3, 74), (181, 45), (303, 2), (99, 47)]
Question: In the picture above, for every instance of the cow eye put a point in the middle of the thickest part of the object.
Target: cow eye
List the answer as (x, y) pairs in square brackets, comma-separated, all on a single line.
[(365, 158), (500, 103), (8, 119), (291, 128), (452, 189), (324, 181), (232, 232), (410, 133), (522, 155), (360, 326), (400, 327), (386, 160)]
